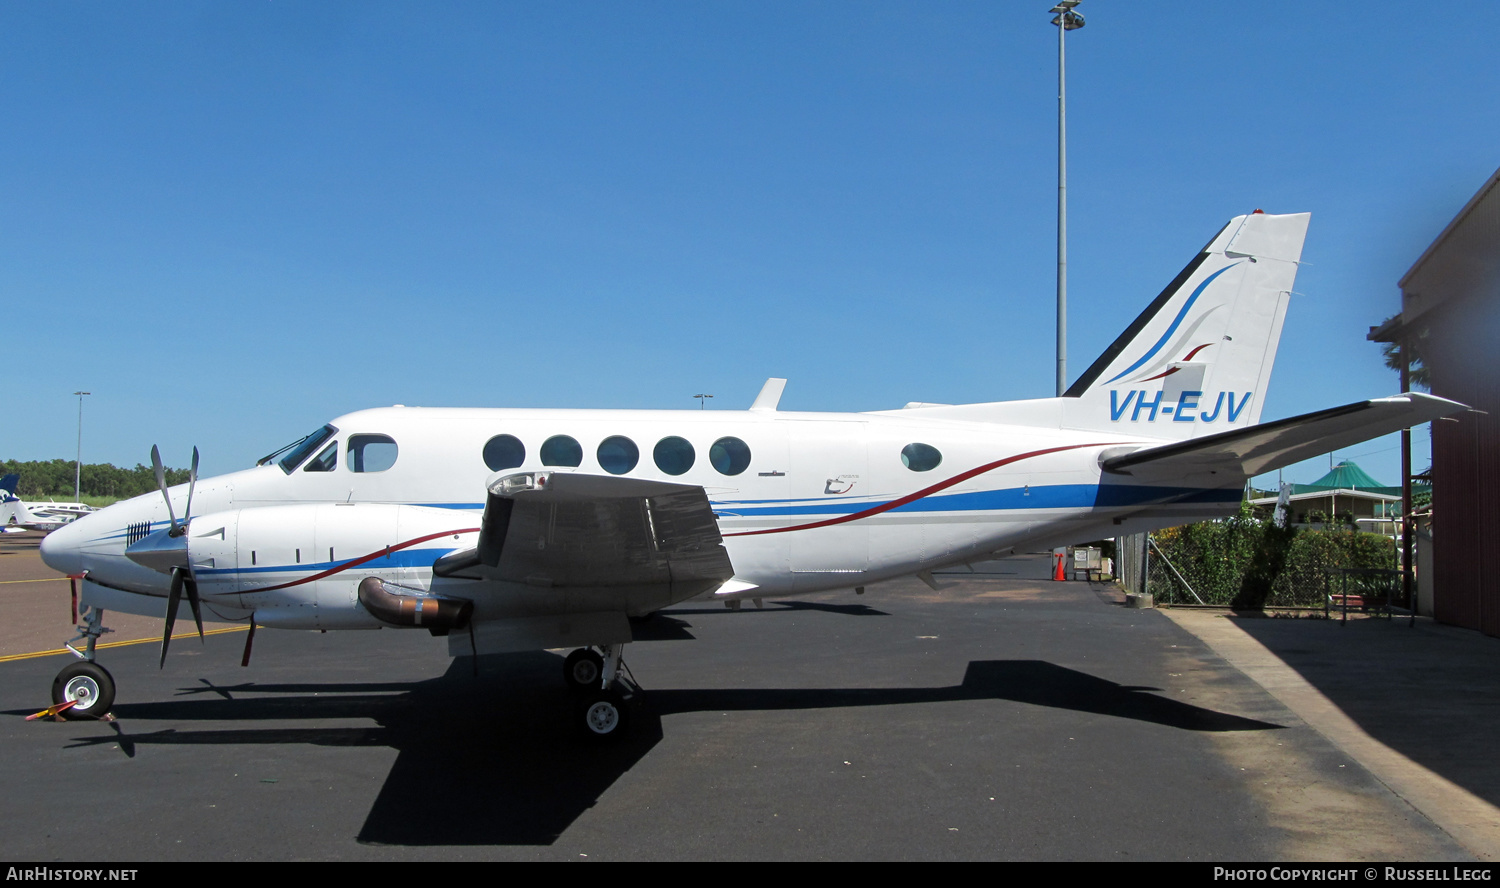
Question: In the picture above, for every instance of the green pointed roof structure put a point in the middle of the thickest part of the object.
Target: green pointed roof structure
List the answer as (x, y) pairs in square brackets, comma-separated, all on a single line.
[(1347, 476)]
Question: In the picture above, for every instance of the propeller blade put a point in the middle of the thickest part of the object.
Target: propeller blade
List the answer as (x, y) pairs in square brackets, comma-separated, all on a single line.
[(161, 483), (174, 598), (249, 640), (187, 513), (190, 585)]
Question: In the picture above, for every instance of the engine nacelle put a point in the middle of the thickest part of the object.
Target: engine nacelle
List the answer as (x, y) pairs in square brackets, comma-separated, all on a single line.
[(300, 566)]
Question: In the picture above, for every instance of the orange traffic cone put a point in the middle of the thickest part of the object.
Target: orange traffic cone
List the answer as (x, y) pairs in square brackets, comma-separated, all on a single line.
[(1058, 574)]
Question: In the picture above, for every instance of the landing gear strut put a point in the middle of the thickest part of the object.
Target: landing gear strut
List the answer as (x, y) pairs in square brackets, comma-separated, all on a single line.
[(87, 685), (606, 694)]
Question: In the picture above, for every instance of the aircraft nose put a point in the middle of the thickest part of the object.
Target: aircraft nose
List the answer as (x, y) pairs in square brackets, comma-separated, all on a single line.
[(62, 549)]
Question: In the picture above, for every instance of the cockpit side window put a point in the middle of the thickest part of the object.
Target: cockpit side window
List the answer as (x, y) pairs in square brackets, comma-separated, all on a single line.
[(297, 451), (371, 453), (326, 461)]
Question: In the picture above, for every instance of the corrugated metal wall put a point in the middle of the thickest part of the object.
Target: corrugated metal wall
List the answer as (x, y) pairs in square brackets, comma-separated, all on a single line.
[(1463, 353)]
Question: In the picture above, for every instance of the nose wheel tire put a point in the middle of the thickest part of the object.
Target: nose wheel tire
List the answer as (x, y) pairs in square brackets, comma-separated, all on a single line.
[(88, 686), (582, 669)]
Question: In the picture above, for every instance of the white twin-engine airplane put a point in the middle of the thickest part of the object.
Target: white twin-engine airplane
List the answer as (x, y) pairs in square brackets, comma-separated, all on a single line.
[(510, 530), (17, 515)]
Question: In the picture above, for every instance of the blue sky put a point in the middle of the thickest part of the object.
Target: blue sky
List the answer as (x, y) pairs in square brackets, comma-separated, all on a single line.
[(234, 221)]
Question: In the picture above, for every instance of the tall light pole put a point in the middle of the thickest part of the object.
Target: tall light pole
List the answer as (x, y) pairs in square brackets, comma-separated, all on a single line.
[(78, 463), (1066, 19), (702, 400)]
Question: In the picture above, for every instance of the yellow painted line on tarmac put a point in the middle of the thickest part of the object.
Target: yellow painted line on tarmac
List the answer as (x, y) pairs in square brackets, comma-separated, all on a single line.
[(38, 580), (115, 644)]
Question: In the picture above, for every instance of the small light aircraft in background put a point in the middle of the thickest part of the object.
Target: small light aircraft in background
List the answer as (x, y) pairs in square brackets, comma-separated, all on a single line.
[(17, 515), (508, 530)]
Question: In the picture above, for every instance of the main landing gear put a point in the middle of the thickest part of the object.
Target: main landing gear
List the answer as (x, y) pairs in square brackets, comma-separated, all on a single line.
[(583, 668), (86, 684), (605, 695)]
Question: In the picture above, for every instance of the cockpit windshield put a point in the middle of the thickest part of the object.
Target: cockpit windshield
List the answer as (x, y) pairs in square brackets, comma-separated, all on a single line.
[(298, 450)]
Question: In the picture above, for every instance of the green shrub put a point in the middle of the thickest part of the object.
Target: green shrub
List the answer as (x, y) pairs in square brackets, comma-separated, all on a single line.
[(1249, 563)]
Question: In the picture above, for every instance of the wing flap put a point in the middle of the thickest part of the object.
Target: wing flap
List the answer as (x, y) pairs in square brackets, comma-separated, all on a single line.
[(587, 531), (1230, 457)]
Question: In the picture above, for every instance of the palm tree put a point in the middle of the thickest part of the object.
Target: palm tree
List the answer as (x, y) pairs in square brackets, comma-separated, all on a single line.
[(1417, 371)]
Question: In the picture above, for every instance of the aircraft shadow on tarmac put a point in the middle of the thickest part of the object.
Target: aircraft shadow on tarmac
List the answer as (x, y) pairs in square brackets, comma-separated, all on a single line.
[(778, 607), (500, 762)]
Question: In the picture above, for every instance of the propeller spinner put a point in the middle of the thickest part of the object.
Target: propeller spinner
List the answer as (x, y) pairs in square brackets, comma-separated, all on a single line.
[(167, 551)]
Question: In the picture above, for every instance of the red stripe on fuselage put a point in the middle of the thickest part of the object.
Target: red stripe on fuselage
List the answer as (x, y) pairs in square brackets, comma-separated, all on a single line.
[(924, 492), (362, 560)]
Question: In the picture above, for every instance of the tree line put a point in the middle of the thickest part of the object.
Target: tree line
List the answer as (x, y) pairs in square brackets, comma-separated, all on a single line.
[(53, 479)]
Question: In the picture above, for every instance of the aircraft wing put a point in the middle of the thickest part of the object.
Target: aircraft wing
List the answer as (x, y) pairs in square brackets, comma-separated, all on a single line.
[(1231, 457), (560, 529)]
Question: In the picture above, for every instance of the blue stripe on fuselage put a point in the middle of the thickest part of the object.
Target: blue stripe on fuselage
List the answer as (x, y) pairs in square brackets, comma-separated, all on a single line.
[(402, 558), (1056, 496)]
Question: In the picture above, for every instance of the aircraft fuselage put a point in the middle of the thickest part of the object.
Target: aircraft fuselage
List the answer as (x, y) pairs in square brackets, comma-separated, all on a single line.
[(804, 502)]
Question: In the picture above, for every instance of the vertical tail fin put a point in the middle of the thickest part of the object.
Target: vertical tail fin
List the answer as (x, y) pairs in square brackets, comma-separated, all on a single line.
[(12, 511), (1198, 359)]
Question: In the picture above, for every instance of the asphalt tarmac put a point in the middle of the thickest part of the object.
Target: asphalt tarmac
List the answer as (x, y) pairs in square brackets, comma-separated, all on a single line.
[(1006, 717)]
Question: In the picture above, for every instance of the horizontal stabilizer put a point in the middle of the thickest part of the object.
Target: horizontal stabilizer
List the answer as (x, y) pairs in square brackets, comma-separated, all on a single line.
[(1236, 455)]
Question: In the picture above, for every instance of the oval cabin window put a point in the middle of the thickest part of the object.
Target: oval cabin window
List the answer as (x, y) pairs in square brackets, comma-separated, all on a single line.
[(562, 450), (504, 452), (618, 455), (674, 455), (729, 456), (920, 457)]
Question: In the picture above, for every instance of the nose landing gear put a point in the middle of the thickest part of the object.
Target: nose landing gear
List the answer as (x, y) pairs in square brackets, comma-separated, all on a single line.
[(87, 685)]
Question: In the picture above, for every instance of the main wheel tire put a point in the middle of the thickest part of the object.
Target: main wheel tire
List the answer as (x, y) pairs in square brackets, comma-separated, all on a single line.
[(89, 685), (605, 716), (582, 669)]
